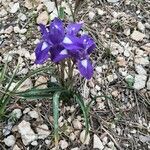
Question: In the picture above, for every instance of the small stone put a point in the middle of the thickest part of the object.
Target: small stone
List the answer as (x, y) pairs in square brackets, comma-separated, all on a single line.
[(112, 1), (9, 30), (22, 31), (144, 139), (127, 53), (7, 129), (115, 93), (142, 60), (41, 82), (49, 5), (72, 137), (112, 77), (16, 148), (27, 134), (141, 27), (91, 15), (98, 69), (111, 145), (14, 8), (77, 124), (47, 142), (83, 139), (53, 79), (105, 140), (54, 14), (146, 47), (148, 84), (76, 148), (22, 17), (42, 18), (63, 144), (139, 82), (43, 131), (3, 13), (66, 8), (133, 131), (100, 12), (97, 143), (33, 114), (121, 61), (27, 84), (10, 141), (116, 48), (16, 29), (26, 110), (97, 87), (140, 70), (147, 25), (34, 143), (127, 31), (28, 4), (17, 113), (137, 36)]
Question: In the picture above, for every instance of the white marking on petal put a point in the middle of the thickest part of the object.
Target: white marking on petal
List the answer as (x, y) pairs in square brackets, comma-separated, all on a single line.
[(84, 63), (73, 28), (63, 52), (44, 45), (67, 40), (56, 26)]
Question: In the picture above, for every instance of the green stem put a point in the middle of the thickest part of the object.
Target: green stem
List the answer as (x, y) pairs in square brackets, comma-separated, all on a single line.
[(62, 73)]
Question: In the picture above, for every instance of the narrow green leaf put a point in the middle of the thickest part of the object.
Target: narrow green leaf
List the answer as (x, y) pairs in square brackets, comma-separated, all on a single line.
[(84, 109), (38, 93), (61, 13), (31, 74), (3, 72), (56, 97)]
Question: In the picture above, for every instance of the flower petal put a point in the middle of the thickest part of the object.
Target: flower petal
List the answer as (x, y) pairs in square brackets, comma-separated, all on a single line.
[(58, 53), (43, 28), (88, 43), (56, 31), (72, 42), (73, 28), (85, 68), (41, 52)]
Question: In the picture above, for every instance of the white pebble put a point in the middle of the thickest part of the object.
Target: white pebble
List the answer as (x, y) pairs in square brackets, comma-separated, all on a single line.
[(10, 141), (17, 113)]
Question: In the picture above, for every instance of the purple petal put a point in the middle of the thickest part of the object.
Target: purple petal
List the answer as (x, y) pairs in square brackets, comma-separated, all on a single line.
[(43, 29), (73, 28), (41, 52), (58, 53), (61, 56), (85, 68), (56, 31), (88, 43), (72, 42)]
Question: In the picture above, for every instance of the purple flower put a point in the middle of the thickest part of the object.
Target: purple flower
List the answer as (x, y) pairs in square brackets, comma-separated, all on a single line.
[(80, 48), (58, 45), (51, 43)]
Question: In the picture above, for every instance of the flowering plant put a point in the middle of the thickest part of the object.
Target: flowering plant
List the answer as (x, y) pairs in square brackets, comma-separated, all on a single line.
[(66, 48), (59, 45)]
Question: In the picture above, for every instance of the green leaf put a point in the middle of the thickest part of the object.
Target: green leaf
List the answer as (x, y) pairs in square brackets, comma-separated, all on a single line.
[(61, 13), (3, 72), (56, 97), (85, 111), (31, 74), (38, 93)]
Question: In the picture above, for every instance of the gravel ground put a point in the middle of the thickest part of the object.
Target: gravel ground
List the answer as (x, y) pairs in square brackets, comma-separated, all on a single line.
[(120, 113)]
